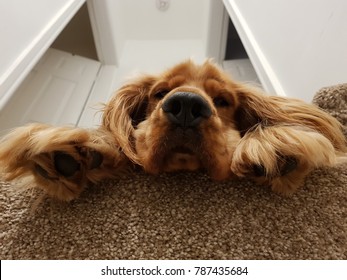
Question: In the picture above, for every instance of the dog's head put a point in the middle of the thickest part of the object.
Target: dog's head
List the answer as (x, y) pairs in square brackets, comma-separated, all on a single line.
[(188, 118)]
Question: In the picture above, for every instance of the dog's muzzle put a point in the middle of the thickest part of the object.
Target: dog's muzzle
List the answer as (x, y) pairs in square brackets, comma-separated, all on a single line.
[(186, 109)]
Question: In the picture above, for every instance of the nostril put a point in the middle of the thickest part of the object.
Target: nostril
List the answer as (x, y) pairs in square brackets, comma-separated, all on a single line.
[(176, 107), (196, 110)]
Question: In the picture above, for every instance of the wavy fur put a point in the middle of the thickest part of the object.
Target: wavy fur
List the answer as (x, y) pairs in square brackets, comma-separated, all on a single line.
[(274, 140)]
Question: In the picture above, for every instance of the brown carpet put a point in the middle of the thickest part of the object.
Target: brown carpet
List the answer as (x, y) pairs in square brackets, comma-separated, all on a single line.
[(184, 216)]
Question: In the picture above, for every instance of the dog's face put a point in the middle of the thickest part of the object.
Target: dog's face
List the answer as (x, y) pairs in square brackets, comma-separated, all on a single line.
[(185, 119)]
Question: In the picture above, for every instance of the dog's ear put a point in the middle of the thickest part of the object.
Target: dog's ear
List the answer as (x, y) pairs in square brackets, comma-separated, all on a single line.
[(254, 108), (245, 117), (126, 109)]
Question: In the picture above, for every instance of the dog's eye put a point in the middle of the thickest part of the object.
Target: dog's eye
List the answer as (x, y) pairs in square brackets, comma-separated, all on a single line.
[(220, 102), (161, 93)]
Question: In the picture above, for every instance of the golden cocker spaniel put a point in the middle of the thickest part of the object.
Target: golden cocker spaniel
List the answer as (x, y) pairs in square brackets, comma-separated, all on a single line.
[(191, 117)]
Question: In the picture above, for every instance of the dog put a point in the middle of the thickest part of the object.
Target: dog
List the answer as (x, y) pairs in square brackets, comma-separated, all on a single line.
[(191, 117)]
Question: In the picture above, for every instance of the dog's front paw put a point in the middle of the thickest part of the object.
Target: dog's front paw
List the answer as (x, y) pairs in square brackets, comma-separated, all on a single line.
[(283, 174), (59, 160), (281, 156)]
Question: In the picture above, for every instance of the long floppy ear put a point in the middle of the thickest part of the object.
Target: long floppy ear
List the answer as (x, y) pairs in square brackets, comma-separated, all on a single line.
[(256, 108), (125, 110)]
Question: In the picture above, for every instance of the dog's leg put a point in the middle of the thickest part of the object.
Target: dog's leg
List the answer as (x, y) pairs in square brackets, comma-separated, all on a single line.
[(282, 140), (59, 160)]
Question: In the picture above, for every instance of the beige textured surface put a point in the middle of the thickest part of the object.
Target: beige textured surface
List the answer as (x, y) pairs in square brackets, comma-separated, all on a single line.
[(180, 216)]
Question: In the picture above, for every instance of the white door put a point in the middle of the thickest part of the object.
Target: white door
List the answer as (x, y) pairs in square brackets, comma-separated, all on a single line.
[(55, 91)]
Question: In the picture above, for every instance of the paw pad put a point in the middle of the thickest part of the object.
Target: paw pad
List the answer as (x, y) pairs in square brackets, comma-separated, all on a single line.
[(289, 165), (65, 164), (97, 159), (259, 170), (286, 164)]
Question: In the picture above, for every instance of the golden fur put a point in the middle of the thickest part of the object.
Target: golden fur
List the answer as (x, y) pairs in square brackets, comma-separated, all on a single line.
[(237, 131)]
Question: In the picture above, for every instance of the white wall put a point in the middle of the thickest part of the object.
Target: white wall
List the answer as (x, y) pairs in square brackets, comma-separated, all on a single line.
[(304, 42), (141, 20)]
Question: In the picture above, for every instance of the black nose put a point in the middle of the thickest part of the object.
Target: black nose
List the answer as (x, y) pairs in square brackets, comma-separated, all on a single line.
[(186, 109)]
